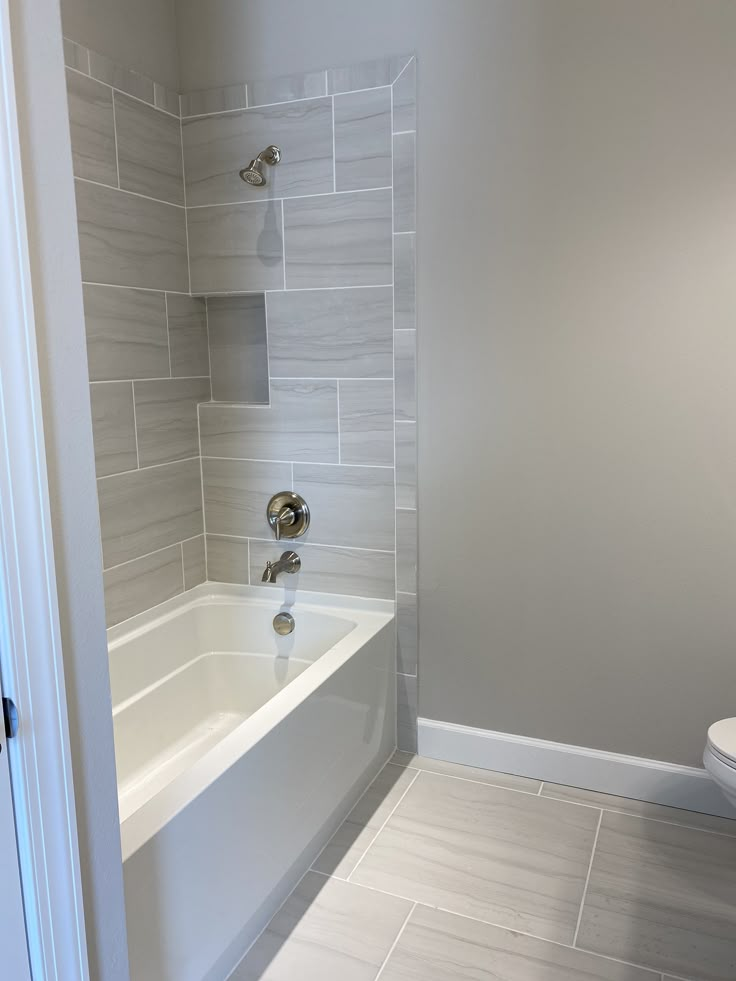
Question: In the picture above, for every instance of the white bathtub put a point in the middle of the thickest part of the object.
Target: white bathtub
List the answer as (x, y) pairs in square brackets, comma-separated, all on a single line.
[(238, 752)]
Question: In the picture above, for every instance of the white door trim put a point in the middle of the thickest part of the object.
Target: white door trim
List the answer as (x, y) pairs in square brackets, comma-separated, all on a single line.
[(30, 646)]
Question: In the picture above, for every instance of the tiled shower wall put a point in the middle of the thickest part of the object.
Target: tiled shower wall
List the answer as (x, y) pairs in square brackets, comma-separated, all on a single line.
[(308, 289)]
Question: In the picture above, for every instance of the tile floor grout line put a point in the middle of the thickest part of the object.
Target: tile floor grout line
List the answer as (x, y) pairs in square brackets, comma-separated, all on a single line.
[(587, 879), (482, 783), (393, 945), (373, 839)]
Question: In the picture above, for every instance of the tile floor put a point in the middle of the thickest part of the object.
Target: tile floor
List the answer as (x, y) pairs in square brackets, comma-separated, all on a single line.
[(448, 873)]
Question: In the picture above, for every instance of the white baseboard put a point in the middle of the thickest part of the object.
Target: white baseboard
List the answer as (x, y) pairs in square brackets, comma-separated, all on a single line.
[(593, 769)]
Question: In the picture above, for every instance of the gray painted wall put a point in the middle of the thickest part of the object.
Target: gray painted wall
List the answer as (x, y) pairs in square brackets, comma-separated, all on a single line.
[(577, 300)]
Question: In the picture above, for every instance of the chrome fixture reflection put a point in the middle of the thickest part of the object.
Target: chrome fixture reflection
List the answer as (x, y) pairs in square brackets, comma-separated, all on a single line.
[(283, 624), (289, 562), (288, 515), (253, 173)]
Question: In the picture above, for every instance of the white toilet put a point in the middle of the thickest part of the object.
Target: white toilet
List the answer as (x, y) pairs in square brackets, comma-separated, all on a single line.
[(719, 756)]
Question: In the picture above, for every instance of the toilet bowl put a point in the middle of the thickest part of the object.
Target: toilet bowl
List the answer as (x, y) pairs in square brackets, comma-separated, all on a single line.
[(719, 756)]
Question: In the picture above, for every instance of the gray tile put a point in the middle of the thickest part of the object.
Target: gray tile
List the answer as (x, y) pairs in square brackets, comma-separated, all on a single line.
[(492, 777), (405, 372), (513, 859), (338, 240), (405, 98), (120, 78), (149, 150), (237, 248), (303, 85), (331, 333), (405, 317), (148, 509), (127, 240), (347, 846), (92, 129), (113, 427), (166, 418), (187, 319), (166, 99), (126, 333), (406, 464), (327, 569), (216, 148), (363, 140), (76, 56), (334, 492), (406, 551), (227, 559), (404, 183), (221, 99), (367, 422), (406, 650), (327, 928), (641, 808), (662, 896), (238, 348), (236, 493), (406, 712), (366, 75), (142, 584), (194, 559), (300, 424), (439, 946)]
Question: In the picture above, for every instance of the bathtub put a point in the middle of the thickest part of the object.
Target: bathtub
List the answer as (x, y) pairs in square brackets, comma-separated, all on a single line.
[(238, 754)]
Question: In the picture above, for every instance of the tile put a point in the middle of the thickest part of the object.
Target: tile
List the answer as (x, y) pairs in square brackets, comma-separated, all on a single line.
[(406, 712), (216, 148), (127, 240), (406, 650), (300, 424), (166, 418), (439, 946), (303, 85), (663, 897), (405, 372), (214, 100), (367, 75), (149, 150), (165, 99), (640, 808), (328, 569), (126, 333), (363, 140), (404, 183), (327, 928), (236, 249), (146, 510), (347, 846), (227, 559), (92, 129), (121, 78), (142, 584), (238, 348), (331, 333), (405, 99), (187, 320), (338, 240), (76, 56), (367, 422), (406, 464), (194, 559), (492, 777), (236, 493), (113, 427), (350, 506), (406, 551), (405, 317), (513, 859)]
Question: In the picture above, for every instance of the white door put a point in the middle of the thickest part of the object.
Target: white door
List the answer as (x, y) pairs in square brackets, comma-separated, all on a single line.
[(13, 948)]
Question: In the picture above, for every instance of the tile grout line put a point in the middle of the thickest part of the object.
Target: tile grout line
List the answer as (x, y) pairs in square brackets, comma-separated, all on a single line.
[(334, 152), (587, 880), (114, 88), (151, 466), (265, 320), (135, 433), (160, 378), (168, 333), (372, 842), (393, 945), (186, 223), (147, 555), (341, 548), (303, 463), (144, 197), (287, 197), (264, 105), (115, 137), (283, 240)]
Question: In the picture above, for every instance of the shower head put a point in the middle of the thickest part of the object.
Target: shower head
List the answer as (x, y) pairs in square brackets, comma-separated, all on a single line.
[(253, 173)]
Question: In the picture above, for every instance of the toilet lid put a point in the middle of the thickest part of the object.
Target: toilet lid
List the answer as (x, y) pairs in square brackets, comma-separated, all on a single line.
[(722, 737)]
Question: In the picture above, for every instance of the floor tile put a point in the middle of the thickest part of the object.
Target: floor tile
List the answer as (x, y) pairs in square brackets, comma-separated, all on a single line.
[(439, 946), (664, 897), (327, 929), (491, 777), (513, 859)]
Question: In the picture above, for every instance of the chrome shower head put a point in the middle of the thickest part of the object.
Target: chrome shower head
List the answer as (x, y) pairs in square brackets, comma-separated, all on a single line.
[(253, 173)]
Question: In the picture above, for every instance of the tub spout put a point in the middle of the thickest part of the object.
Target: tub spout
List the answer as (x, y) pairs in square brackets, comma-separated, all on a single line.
[(289, 562)]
